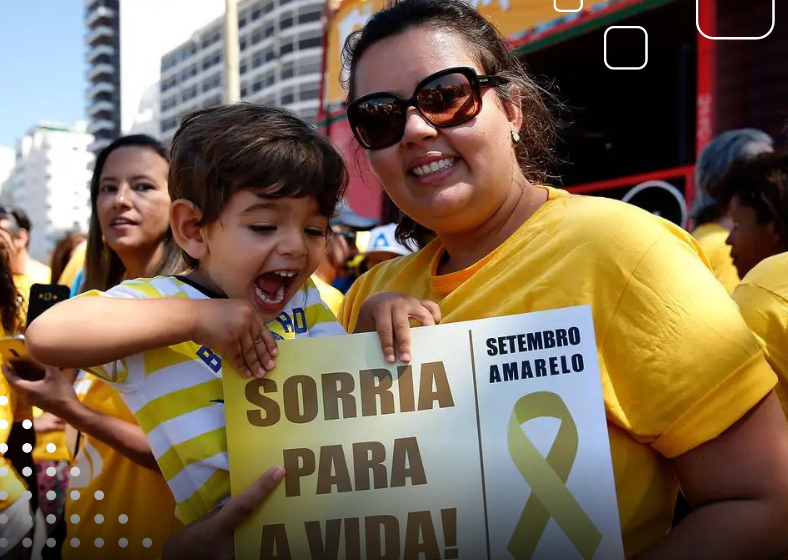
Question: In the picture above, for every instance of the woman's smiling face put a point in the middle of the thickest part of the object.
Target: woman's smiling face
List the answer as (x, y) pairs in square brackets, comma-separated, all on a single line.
[(475, 160)]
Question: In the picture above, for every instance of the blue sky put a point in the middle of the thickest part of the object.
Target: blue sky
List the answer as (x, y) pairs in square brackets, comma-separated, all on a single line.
[(42, 68)]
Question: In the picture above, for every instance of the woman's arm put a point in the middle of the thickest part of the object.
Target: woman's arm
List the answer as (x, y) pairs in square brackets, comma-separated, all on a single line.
[(737, 485), (55, 394), (211, 536)]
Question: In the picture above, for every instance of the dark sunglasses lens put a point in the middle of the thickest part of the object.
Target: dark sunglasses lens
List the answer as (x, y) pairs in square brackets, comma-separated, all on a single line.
[(379, 122), (449, 99)]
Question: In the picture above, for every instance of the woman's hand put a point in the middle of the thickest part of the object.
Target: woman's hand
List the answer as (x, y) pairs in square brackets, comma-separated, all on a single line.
[(48, 422), (211, 537), (232, 328), (389, 314), (52, 389)]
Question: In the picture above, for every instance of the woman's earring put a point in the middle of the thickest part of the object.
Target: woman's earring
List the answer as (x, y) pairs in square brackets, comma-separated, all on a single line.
[(515, 137)]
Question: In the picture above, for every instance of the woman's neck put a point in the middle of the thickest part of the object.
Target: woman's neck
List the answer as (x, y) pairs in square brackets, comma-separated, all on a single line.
[(143, 262), (467, 248)]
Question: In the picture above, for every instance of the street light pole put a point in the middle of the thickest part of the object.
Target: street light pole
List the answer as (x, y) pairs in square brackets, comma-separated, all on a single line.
[(232, 78)]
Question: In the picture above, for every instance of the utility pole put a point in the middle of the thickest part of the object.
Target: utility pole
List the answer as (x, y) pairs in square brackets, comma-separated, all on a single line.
[(232, 78)]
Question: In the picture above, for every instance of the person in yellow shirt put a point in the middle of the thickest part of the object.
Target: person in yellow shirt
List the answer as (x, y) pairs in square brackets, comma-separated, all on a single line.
[(67, 248), (756, 191), (130, 223), (712, 223), (74, 268), (463, 142), (762, 297), (27, 270), (460, 137), (16, 515)]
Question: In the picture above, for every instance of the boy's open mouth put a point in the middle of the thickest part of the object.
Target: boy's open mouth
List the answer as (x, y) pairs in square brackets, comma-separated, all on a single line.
[(272, 287)]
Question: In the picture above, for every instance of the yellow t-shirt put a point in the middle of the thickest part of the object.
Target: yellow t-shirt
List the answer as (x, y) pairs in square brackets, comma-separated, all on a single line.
[(711, 238), (678, 364), (74, 265), (56, 437), (38, 273), (11, 483), (129, 489), (329, 294), (763, 301)]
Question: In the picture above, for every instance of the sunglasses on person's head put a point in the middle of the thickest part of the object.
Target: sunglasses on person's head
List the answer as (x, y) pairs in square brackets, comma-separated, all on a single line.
[(446, 98)]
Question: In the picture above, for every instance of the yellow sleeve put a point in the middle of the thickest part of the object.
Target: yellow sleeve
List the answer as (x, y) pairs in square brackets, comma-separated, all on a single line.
[(6, 411), (329, 294), (74, 265), (320, 320), (682, 363), (351, 304), (766, 313)]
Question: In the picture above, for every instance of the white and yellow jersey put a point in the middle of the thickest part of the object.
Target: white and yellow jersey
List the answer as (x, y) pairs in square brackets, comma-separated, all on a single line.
[(176, 395)]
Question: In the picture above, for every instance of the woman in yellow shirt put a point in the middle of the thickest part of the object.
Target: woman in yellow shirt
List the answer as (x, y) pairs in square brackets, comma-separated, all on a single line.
[(756, 191), (118, 503), (460, 136), (16, 519), (712, 224)]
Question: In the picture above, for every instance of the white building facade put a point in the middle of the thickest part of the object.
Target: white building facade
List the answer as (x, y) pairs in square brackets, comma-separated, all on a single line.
[(281, 46), (7, 162), (50, 181), (125, 40)]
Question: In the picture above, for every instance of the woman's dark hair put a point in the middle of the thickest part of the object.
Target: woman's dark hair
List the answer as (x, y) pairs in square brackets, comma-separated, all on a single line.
[(103, 267), (219, 151), (10, 300), (760, 182), (492, 52)]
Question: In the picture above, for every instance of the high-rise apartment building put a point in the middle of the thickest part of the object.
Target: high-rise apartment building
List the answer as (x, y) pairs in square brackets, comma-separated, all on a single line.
[(50, 182), (280, 61), (102, 18)]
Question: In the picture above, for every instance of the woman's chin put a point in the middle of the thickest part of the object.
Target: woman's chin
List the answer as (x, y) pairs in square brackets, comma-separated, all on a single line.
[(446, 203)]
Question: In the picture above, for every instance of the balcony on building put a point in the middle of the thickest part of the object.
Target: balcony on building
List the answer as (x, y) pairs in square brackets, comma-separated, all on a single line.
[(101, 125), (101, 33), (99, 144), (99, 106), (101, 69), (99, 13), (101, 87), (99, 51)]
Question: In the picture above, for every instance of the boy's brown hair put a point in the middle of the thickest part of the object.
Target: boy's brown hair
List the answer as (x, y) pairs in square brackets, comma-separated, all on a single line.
[(219, 151)]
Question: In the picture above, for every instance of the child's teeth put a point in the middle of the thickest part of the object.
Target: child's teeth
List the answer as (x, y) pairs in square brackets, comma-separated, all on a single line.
[(276, 299)]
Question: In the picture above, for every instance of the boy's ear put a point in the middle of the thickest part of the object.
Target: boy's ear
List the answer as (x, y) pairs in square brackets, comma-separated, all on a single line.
[(184, 219)]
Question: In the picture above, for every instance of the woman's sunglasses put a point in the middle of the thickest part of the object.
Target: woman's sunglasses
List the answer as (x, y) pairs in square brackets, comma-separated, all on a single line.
[(446, 98)]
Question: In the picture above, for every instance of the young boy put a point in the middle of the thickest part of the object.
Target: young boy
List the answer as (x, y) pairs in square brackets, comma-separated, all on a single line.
[(253, 189)]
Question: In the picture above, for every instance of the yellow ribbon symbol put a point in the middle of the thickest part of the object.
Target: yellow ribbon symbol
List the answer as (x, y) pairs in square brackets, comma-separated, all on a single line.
[(547, 479)]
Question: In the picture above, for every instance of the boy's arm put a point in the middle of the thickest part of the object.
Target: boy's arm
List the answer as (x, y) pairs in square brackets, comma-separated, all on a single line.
[(91, 331)]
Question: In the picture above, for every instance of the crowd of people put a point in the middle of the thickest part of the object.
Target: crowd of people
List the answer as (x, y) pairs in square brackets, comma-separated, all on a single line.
[(208, 254)]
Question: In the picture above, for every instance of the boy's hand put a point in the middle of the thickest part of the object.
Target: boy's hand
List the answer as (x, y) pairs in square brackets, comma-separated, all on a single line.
[(232, 328), (389, 314)]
